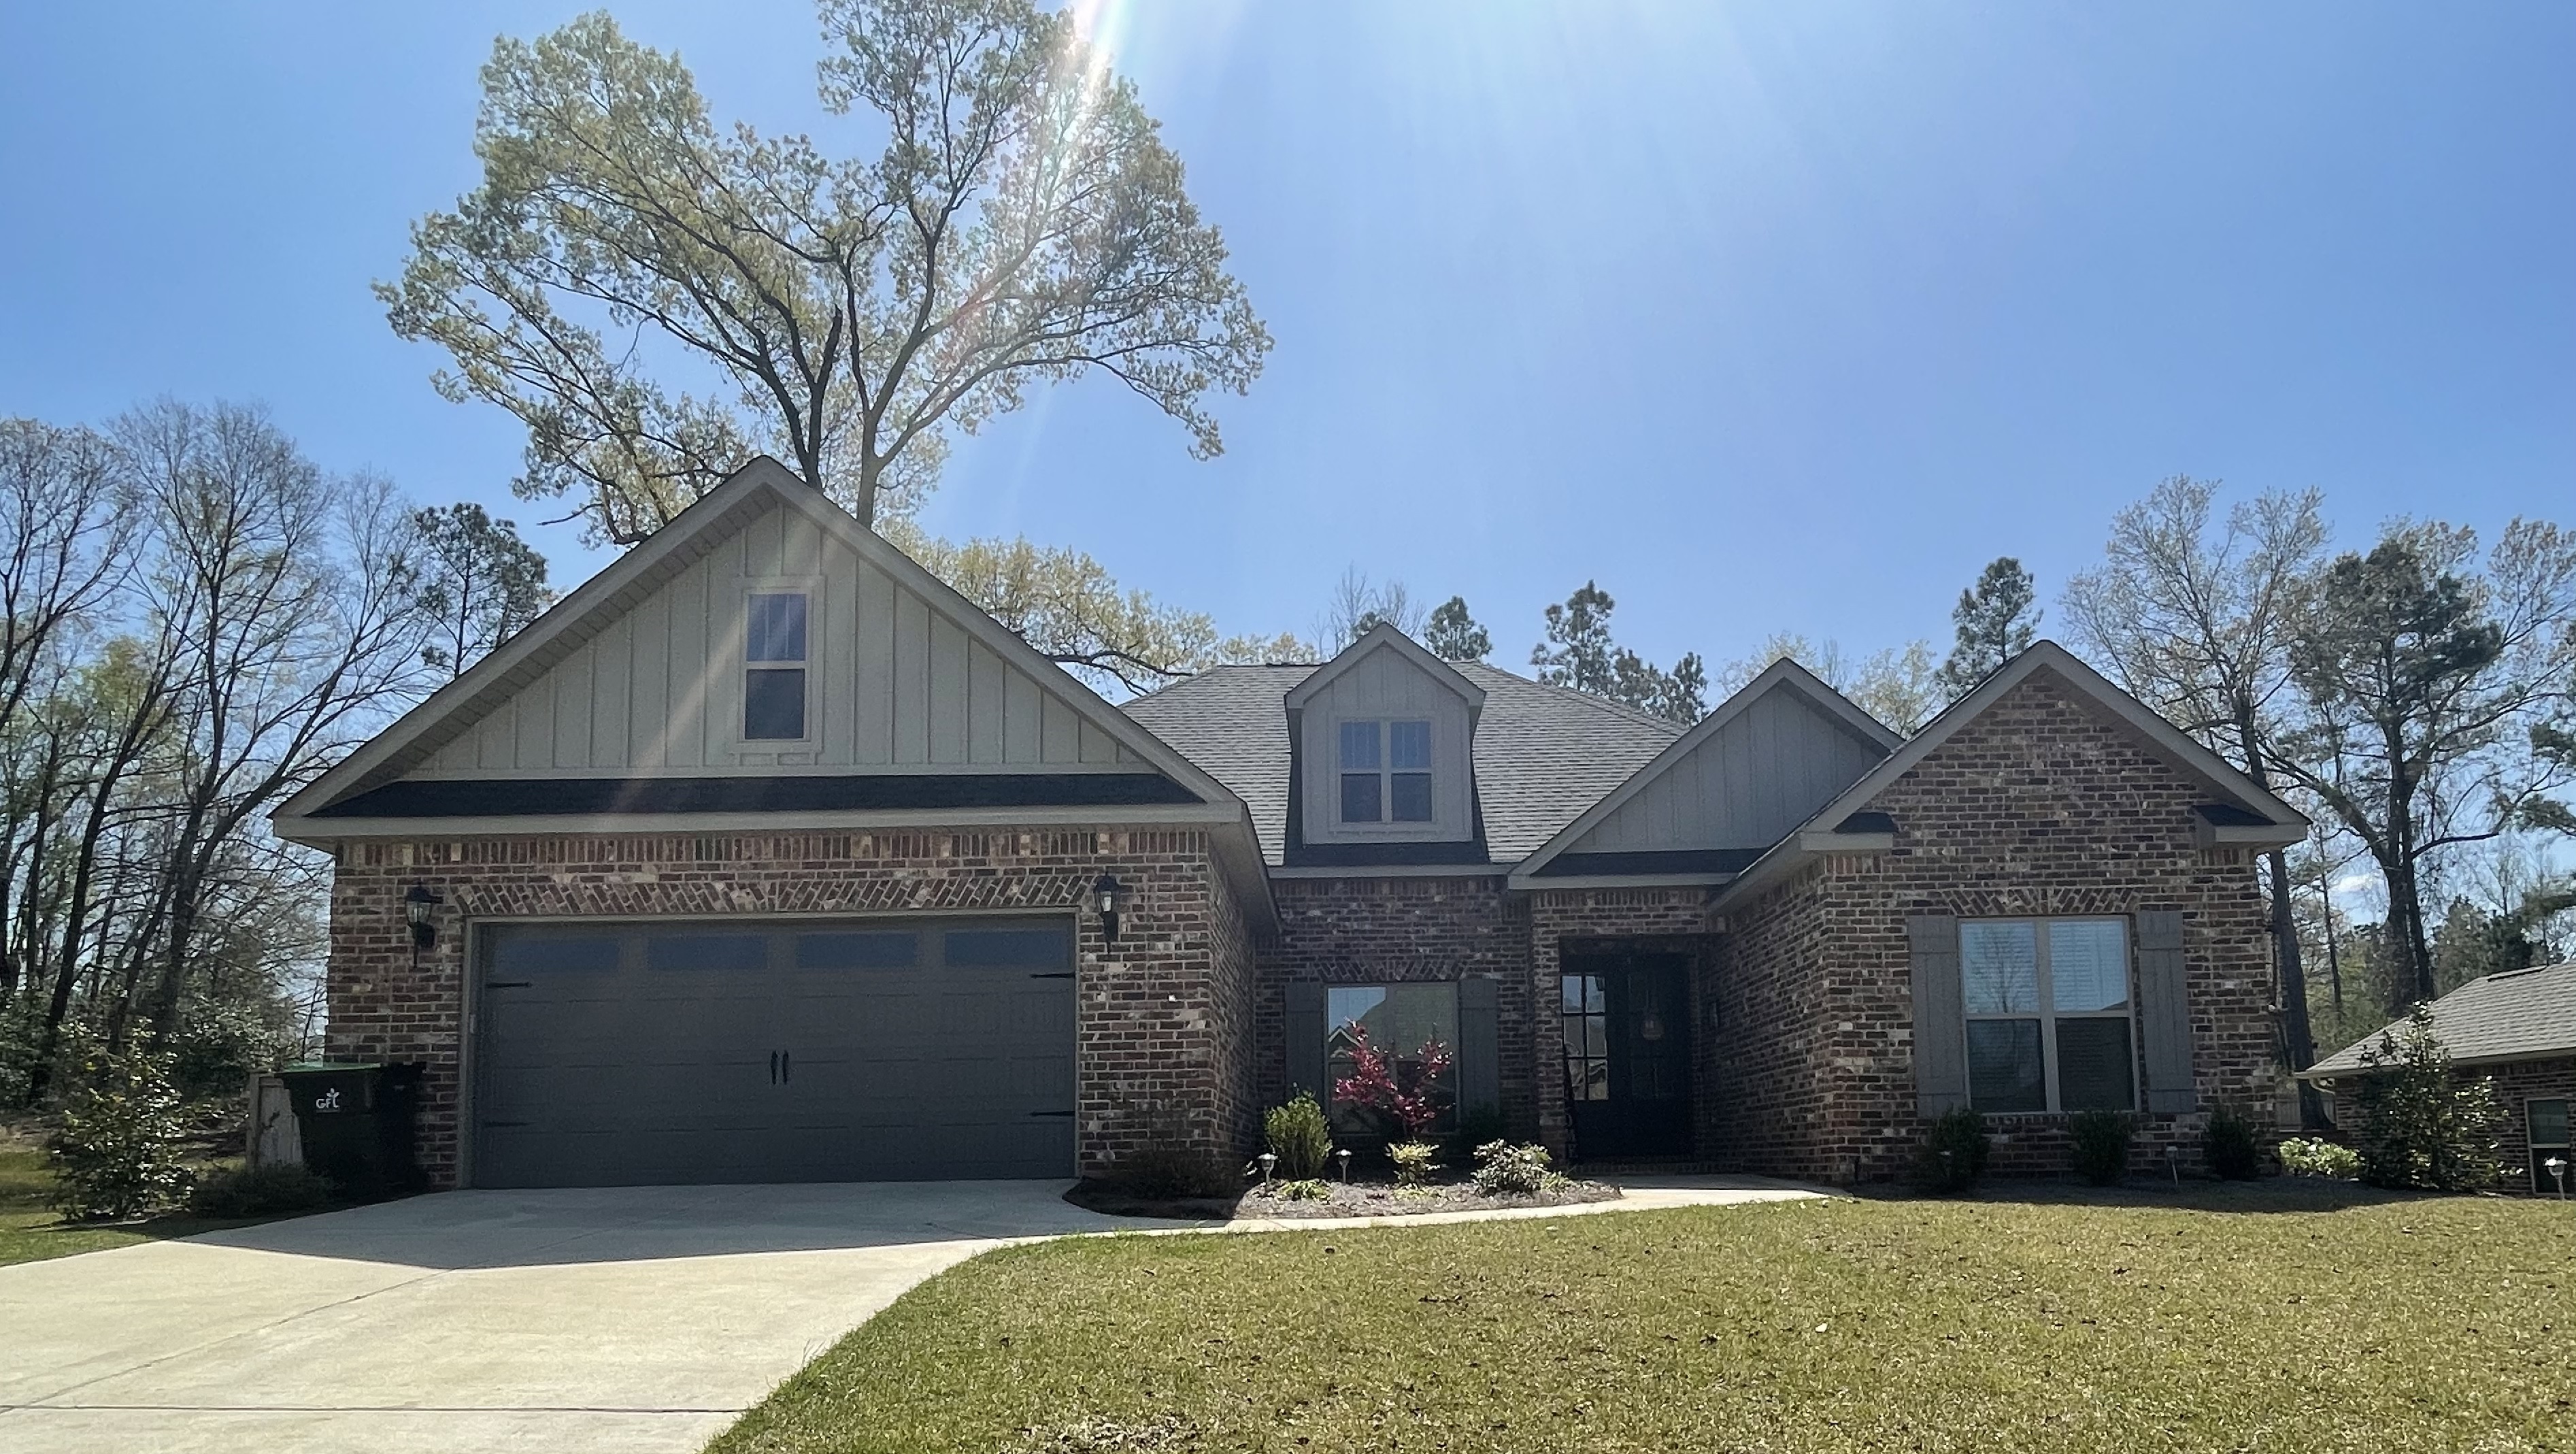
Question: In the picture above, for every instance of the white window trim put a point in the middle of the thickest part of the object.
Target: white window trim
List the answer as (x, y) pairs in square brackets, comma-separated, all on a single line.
[(1386, 770), (738, 657), (2048, 1015)]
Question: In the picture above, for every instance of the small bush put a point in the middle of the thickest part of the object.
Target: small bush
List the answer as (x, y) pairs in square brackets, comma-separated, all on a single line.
[(1954, 1153), (2422, 1126), (1300, 1137), (116, 1149), (1475, 1128), (1506, 1170), (1305, 1189), (1168, 1170), (2101, 1146), (2228, 1144), (1415, 1162), (260, 1191), (2320, 1158)]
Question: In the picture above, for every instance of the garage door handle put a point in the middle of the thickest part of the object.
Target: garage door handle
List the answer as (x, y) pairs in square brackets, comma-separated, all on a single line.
[(1068, 1115), (504, 1123), (773, 1067), (786, 1065), (1066, 974), (507, 984)]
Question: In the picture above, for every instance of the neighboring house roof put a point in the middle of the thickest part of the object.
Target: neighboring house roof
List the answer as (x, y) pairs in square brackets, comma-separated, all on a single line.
[(2250, 817), (1553, 859), (2521, 1014), (1543, 754)]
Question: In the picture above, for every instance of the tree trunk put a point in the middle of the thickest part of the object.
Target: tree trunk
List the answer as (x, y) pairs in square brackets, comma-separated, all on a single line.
[(2298, 1038)]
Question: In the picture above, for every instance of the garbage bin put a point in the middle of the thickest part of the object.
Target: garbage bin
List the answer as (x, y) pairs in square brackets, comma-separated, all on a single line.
[(356, 1123)]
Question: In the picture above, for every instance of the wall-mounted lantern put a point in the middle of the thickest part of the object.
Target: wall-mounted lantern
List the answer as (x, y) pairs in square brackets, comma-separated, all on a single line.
[(1109, 900), (418, 904)]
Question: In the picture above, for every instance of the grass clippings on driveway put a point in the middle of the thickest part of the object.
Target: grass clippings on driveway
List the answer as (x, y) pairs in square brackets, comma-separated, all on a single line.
[(1844, 1325)]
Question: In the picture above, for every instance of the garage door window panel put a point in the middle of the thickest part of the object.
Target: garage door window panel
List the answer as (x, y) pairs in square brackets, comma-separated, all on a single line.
[(734, 953), (858, 951), (1005, 948)]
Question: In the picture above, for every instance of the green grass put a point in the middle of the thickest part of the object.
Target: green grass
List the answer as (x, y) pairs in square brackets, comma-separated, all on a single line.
[(2278, 1322), (30, 1229)]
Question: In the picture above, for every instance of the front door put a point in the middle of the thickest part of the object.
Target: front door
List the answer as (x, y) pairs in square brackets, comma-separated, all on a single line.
[(1627, 1054)]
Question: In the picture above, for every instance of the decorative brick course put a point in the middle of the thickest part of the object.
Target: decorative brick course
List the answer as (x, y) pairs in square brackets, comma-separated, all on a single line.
[(1162, 1016)]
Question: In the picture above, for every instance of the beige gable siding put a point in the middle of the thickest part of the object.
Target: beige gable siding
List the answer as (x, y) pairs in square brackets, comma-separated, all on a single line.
[(1746, 786), (894, 682), (1385, 686)]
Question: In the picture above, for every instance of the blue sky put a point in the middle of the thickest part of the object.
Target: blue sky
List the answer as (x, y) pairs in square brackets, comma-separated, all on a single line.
[(1765, 317)]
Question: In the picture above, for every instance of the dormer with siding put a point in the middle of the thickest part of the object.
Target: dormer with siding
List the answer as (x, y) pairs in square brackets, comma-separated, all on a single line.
[(1383, 757), (1745, 777)]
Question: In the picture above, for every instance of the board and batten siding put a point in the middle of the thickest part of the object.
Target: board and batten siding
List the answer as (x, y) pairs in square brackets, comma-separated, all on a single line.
[(1746, 786), (1385, 686), (892, 681)]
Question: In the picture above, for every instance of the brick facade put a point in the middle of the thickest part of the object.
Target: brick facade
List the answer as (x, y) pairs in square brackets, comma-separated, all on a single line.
[(2515, 1084), (1163, 1017), (2040, 806)]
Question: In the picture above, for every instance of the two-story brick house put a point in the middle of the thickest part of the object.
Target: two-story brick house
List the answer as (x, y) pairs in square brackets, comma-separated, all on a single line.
[(765, 856)]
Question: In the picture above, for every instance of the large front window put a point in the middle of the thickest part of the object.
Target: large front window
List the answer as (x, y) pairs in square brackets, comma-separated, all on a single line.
[(1394, 1051), (773, 678), (2048, 1014), (1385, 771)]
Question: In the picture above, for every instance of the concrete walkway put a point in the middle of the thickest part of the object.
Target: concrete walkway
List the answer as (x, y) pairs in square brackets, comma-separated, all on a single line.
[(628, 1319)]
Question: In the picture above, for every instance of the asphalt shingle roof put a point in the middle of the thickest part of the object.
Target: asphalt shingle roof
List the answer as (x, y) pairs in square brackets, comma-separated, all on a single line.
[(1543, 754), (2521, 1014)]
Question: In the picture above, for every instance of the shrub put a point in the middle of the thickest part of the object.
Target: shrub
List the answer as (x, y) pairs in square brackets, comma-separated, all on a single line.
[(217, 1046), (2320, 1158), (116, 1149), (1506, 1170), (1954, 1153), (260, 1191), (2421, 1126), (1475, 1128), (1305, 1189), (1300, 1137), (1167, 1170), (1415, 1161), (2101, 1146), (2228, 1144)]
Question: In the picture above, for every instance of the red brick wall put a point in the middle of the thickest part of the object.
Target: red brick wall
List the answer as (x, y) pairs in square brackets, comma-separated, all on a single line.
[(1392, 931), (2515, 1084), (2040, 806), (1162, 1015)]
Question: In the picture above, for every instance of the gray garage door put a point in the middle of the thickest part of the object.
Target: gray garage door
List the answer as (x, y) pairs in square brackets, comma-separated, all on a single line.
[(642, 1054)]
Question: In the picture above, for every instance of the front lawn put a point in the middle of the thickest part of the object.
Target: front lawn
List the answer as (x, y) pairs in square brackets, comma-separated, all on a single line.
[(2281, 1322), (30, 1229)]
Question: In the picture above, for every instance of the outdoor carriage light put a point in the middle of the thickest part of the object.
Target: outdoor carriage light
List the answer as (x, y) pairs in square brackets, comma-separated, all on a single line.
[(417, 905), (1109, 897)]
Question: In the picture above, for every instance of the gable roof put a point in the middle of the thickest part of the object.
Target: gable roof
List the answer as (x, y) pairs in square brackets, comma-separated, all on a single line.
[(1783, 675), (1542, 754), (1384, 637), (2259, 819), (2521, 1014), (748, 493)]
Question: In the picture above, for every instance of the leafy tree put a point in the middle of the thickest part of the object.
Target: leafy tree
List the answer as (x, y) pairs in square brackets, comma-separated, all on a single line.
[(2421, 1125), (1064, 604), (1579, 653), (478, 580), (2415, 667), (1453, 635), (1995, 619), (2193, 617), (116, 1145), (1896, 685)]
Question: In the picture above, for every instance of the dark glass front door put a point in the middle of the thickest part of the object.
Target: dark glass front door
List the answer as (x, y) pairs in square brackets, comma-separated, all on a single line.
[(1626, 1025)]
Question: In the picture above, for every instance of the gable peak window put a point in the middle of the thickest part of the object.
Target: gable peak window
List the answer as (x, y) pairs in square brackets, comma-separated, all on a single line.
[(2049, 1014), (1385, 770), (773, 675)]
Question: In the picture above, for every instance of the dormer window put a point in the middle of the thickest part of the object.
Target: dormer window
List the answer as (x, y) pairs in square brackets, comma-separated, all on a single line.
[(773, 677), (1386, 771)]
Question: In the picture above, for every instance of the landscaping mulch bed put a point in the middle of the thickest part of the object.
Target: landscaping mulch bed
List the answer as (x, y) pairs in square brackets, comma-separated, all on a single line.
[(1346, 1199)]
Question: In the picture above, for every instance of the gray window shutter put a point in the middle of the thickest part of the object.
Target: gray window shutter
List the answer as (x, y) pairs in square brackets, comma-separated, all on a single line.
[(1940, 1015), (1306, 1038), (1480, 1059), (2164, 1012)]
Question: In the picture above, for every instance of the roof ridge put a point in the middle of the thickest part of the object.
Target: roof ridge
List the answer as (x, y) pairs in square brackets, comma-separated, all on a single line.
[(1595, 699)]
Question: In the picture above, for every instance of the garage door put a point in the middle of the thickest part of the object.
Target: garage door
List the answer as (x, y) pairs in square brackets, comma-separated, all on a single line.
[(642, 1054)]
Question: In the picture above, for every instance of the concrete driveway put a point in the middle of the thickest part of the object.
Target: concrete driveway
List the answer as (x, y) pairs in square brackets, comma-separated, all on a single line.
[(615, 1319)]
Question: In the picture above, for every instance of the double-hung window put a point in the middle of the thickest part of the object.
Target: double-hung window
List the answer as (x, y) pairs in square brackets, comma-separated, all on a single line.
[(1385, 771), (2545, 1126), (773, 676), (2049, 1023)]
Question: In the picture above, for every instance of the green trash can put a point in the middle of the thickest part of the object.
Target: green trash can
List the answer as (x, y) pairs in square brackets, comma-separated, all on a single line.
[(356, 1121)]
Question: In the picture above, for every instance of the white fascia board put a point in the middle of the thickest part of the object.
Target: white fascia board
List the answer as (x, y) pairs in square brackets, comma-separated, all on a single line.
[(1391, 870), (320, 832), (1820, 840), (1524, 883), (2248, 835)]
